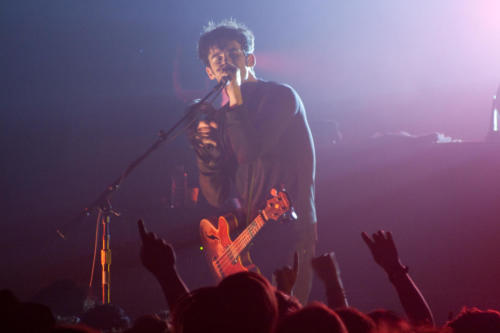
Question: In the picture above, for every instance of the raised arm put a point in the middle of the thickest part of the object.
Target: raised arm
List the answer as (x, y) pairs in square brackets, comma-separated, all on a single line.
[(159, 258), (385, 254), (326, 269), (286, 276)]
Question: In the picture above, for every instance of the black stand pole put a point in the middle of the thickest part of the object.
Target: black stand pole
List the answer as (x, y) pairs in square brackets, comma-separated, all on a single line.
[(103, 203)]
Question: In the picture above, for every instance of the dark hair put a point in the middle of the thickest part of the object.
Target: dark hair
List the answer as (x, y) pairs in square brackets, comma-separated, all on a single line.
[(389, 319), (356, 321), (198, 312), (246, 301), (249, 302), (106, 317), (315, 317), (474, 320), (219, 34)]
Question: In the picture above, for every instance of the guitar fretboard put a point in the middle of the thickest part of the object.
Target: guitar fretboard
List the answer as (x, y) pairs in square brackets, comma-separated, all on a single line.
[(246, 236)]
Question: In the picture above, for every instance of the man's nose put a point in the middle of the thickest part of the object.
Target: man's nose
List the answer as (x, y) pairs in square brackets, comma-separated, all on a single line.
[(228, 59)]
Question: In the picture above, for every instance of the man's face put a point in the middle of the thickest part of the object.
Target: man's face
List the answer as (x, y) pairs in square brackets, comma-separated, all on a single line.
[(227, 61)]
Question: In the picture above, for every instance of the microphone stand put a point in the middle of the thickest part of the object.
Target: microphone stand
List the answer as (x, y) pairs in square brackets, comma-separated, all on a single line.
[(102, 205)]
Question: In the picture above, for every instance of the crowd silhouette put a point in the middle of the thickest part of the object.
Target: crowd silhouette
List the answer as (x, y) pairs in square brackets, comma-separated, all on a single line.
[(247, 302)]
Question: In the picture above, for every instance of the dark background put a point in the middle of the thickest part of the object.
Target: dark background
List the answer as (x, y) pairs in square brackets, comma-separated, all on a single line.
[(87, 85)]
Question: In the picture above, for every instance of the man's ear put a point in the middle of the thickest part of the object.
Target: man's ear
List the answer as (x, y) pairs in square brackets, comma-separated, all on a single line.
[(251, 61), (210, 73)]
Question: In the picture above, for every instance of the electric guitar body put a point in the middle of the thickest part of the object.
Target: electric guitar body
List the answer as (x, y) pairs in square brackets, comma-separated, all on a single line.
[(215, 242), (224, 254)]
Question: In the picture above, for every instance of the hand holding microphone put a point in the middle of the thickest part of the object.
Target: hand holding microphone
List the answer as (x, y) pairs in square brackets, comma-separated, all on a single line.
[(232, 77)]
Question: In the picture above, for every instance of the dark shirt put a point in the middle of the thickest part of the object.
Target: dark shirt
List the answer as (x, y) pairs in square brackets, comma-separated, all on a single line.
[(264, 143)]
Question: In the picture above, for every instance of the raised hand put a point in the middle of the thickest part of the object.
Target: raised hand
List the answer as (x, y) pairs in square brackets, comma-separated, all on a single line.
[(325, 266), (286, 276), (384, 250), (156, 255), (159, 258), (385, 253)]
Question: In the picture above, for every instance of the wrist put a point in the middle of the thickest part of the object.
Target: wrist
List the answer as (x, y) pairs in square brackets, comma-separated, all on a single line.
[(166, 273), (397, 271)]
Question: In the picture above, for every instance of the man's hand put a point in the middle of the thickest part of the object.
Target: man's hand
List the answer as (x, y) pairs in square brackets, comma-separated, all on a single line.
[(205, 132), (156, 255), (326, 267), (384, 251), (286, 276), (233, 88)]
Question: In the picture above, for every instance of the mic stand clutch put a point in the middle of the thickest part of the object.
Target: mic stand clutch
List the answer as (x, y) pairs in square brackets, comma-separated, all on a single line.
[(102, 205)]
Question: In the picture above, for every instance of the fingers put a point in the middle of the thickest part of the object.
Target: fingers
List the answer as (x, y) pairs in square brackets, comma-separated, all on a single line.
[(316, 263), (295, 263), (367, 239), (378, 236), (146, 236), (389, 237), (142, 230), (205, 127)]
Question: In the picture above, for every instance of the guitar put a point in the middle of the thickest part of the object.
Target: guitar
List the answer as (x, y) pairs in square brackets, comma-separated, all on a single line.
[(222, 253)]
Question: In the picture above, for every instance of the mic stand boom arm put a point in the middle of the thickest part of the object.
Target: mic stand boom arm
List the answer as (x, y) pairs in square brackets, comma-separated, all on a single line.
[(102, 205)]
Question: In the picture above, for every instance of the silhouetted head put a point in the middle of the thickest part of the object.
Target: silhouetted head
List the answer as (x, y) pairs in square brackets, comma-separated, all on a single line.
[(389, 321), (473, 320), (249, 302), (315, 317), (64, 297), (8, 307), (106, 317), (200, 311), (149, 324), (356, 321), (33, 317)]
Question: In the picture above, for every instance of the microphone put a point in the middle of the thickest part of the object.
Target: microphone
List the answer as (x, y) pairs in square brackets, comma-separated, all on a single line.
[(228, 68), (223, 82)]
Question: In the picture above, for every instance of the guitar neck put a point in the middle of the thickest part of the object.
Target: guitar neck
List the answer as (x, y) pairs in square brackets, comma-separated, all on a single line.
[(246, 236)]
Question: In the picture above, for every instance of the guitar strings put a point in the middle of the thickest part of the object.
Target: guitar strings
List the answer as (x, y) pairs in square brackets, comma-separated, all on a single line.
[(228, 254), (227, 258)]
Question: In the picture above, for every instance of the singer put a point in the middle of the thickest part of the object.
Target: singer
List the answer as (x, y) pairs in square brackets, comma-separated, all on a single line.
[(260, 139)]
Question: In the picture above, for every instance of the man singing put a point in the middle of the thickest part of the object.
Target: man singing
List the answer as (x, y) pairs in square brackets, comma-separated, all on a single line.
[(259, 140)]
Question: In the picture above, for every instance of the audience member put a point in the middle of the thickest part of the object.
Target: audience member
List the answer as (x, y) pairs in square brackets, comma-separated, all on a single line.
[(106, 317), (316, 317), (326, 268), (473, 320), (249, 301), (389, 321), (159, 258), (385, 254), (355, 321), (33, 317), (287, 276), (149, 324), (246, 302)]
